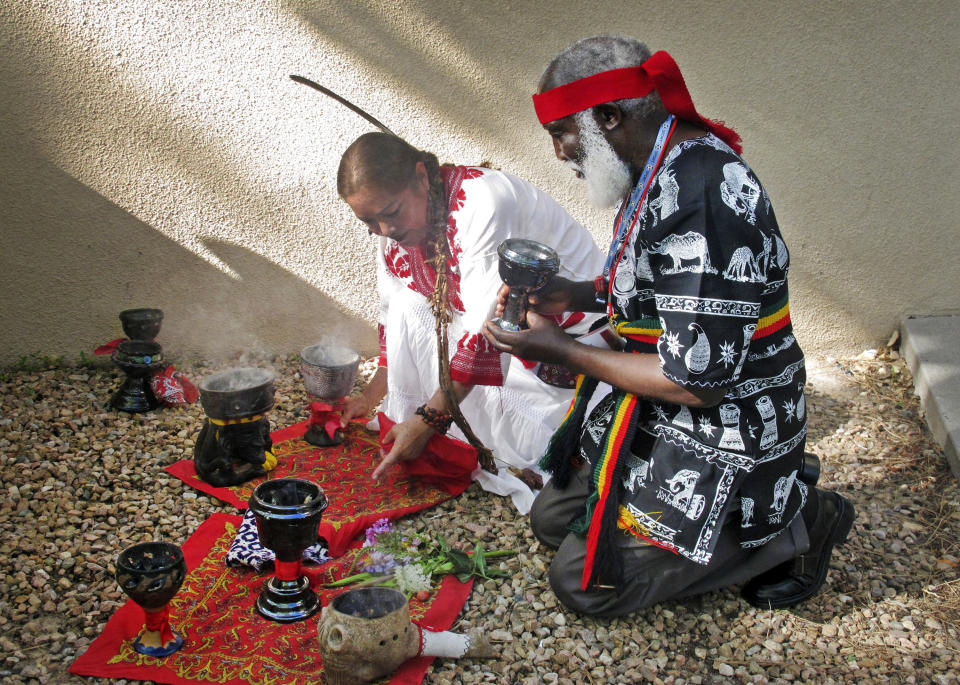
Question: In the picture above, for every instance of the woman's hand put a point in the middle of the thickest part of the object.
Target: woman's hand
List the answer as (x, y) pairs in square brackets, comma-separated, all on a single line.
[(367, 401), (408, 440), (359, 406), (543, 341)]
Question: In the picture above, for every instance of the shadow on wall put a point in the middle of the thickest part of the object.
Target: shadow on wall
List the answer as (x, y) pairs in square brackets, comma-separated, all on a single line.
[(849, 193), (427, 54), (78, 242), (75, 258)]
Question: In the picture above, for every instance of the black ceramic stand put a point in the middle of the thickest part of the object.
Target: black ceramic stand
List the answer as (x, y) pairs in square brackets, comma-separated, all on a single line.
[(138, 359), (234, 442)]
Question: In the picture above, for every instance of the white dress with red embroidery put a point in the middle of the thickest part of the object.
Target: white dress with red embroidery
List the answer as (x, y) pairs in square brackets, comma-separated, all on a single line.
[(511, 410)]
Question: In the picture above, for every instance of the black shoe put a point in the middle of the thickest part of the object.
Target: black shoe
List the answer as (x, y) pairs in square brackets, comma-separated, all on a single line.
[(801, 577), (809, 471)]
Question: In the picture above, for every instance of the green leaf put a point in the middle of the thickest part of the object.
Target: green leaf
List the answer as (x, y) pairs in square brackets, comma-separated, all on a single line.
[(462, 563), (479, 563)]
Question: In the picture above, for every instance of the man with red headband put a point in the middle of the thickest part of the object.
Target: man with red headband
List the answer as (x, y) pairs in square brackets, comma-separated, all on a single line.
[(680, 465)]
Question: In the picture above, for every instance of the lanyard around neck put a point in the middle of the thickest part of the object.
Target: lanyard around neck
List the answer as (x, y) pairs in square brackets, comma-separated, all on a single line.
[(624, 229)]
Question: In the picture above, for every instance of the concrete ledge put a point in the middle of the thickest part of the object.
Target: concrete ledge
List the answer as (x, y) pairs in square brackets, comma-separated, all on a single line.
[(931, 346)]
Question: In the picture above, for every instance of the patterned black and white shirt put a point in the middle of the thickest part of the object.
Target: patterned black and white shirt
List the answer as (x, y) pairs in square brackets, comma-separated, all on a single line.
[(703, 283)]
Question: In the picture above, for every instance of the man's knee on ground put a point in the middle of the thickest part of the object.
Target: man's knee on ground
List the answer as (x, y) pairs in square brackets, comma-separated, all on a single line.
[(638, 591), (566, 586), (547, 526), (565, 583)]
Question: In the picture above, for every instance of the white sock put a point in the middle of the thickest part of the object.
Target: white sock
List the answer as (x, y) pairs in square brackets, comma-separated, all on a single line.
[(444, 644)]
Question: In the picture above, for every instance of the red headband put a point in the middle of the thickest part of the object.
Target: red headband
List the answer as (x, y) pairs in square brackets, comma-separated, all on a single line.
[(658, 73)]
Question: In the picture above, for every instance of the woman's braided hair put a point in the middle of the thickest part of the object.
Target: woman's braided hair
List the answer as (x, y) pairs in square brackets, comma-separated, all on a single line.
[(389, 162)]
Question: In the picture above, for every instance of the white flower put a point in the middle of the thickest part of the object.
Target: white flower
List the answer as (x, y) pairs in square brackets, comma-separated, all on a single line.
[(411, 578)]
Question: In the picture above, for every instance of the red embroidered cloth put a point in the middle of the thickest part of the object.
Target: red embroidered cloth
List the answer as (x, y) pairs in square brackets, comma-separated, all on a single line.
[(226, 641), (345, 472)]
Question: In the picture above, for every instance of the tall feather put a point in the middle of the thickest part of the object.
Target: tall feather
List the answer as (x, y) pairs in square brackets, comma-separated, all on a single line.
[(343, 101)]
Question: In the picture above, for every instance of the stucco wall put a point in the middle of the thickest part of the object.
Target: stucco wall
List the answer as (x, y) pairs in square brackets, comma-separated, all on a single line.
[(156, 154)]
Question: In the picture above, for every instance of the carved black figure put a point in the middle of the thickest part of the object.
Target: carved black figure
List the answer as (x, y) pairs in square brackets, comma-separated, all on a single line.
[(230, 454), (234, 444)]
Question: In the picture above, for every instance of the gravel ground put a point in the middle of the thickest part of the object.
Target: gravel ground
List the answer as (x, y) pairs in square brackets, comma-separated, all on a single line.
[(82, 482)]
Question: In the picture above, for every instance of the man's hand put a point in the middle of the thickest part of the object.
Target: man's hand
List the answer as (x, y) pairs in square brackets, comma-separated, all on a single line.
[(408, 440), (543, 341), (553, 298)]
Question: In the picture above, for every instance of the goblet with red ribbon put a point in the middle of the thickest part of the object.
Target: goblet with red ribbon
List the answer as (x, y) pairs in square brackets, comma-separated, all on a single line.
[(150, 573), (329, 372), (288, 513)]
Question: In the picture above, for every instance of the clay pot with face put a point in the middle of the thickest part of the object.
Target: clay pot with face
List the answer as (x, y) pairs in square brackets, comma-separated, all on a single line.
[(366, 634)]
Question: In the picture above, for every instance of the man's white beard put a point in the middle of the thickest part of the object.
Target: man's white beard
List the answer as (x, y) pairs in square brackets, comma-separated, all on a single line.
[(607, 176)]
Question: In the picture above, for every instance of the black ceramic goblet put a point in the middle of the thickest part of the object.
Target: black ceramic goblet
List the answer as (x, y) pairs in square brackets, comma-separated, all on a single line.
[(141, 324), (150, 574), (138, 359), (526, 266), (288, 513)]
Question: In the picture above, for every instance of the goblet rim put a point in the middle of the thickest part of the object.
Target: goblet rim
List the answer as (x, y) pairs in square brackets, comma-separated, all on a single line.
[(281, 511), (142, 313), (139, 348), (259, 377), (352, 353), (547, 258), (123, 559)]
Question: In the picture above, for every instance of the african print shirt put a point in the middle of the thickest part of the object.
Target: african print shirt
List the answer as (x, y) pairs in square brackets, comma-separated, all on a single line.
[(702, 283)]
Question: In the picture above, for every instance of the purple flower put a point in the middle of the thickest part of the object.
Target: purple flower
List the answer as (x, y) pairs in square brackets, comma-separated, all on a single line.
[(381, 526), (379, 562)]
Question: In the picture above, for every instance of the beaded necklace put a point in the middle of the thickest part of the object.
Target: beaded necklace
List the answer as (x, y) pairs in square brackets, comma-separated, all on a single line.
[(622, 231)]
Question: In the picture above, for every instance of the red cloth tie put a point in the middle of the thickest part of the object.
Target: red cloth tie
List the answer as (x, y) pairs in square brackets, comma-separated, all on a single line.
[(287, 570), (659, 73), (326, 416), (172, 388), (109, 347), (159, 620)]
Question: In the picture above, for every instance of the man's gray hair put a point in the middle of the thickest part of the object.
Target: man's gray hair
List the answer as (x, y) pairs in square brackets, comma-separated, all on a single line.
[(593, 55)]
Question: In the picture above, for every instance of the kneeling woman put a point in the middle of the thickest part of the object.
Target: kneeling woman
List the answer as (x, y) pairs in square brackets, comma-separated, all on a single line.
[(419, 210)]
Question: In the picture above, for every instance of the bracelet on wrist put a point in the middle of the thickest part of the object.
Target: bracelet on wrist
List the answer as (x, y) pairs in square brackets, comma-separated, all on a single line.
[(600, 290), (438, 420)]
